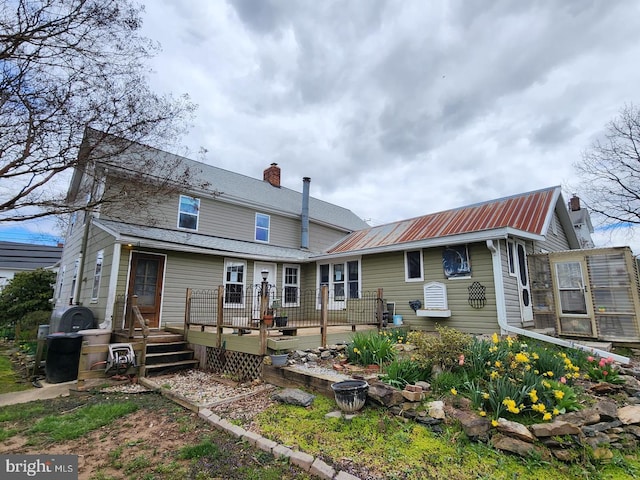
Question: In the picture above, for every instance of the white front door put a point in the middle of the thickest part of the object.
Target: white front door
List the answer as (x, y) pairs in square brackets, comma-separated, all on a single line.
[(272, 280)]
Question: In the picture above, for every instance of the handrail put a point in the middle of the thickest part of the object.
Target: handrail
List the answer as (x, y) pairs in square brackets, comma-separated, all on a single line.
[(136, 317)]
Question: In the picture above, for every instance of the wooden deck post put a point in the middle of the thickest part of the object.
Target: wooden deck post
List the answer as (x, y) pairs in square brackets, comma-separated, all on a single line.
[(380, 309), (220, 316), (324, 314), (187, 312)]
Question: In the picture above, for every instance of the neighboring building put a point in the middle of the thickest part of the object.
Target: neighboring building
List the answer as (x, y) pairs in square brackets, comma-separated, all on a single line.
[(581, 222), (26, 257)]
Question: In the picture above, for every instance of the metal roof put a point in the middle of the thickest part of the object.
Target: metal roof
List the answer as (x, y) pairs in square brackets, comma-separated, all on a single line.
[(27, 256), (529, 213), (177, 240)]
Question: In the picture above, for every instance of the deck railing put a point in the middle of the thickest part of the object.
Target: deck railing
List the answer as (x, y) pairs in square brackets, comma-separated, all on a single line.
[(245, 310)]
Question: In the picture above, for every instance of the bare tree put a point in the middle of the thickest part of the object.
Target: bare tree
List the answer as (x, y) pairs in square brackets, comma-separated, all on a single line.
[(610, 171), (67, 65)]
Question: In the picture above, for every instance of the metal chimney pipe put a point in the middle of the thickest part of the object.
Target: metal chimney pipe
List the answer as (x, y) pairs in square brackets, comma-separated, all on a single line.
[(304, 239)]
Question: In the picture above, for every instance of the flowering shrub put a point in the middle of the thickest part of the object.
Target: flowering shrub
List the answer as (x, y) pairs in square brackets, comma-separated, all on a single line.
[(601, 370), (447, 349)]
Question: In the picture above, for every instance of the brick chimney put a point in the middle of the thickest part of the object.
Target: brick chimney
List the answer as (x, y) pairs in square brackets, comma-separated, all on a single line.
[(272, 175), (574, 203)]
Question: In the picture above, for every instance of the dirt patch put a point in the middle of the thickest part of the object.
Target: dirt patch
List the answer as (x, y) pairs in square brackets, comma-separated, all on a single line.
[(147, 442)]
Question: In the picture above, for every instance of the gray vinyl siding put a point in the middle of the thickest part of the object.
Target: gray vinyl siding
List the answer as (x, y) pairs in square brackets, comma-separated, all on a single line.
[(222, 219), (98, 240), (70, 253), (387, 271), (554, 242)]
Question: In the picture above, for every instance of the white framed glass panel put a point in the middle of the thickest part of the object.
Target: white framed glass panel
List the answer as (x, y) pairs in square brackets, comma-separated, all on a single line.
[(413, 271), (263, 225), (97, 274), (234, 282), (571, 288), (189, 212), (291, 286)]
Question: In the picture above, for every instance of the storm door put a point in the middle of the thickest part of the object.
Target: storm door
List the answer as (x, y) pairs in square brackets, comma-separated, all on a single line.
[(574, 305), (145, 281)]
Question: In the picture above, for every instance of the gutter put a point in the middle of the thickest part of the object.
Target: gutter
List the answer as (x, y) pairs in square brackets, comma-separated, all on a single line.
[(505, 327)]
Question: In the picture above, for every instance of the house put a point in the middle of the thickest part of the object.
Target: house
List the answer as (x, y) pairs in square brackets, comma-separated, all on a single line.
[(26, 257), (218, 228), (467, 268)]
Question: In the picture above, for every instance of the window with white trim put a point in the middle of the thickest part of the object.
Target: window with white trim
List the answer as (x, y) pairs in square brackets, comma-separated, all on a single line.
[(60, 281), (234, 281), (343, 280), (511, 248), (76, 266), (413, 266), (188, 212), (263, 226), (291, 286), (97, 274)]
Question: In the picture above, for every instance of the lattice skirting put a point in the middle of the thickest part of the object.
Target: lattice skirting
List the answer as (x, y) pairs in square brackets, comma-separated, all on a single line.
[(238, 365)]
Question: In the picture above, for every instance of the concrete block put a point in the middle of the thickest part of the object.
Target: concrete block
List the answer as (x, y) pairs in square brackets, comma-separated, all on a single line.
[(322, 470), (281, 451), (251, 437), (346, 476), (265, 444), (301, 459)]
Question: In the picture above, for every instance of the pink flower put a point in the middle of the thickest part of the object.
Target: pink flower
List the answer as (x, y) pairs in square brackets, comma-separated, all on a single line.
[(461, 360), (563, 380), (609, 360), (602, 363), (605, 373), (590, 359)]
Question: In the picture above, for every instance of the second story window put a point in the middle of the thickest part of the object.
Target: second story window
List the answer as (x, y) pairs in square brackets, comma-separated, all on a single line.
[(189, 212), (263, 224)]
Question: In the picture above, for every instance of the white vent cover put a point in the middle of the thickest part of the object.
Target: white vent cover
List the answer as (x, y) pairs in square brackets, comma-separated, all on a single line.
[(435, 296)]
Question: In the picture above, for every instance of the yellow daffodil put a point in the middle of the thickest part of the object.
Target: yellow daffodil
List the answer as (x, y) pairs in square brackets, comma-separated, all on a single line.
[(495, 338), (494, 423), (559, 394), (454, 391), (546, 417), (482, 413)]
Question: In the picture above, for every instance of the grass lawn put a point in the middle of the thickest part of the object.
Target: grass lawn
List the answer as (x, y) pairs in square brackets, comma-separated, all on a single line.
[(10, 381)]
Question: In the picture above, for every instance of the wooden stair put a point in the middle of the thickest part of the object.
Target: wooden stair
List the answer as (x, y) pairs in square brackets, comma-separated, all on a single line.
[(166, 352)]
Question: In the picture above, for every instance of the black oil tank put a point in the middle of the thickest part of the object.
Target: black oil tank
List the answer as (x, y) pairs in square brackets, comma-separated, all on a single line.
[(71, 319)]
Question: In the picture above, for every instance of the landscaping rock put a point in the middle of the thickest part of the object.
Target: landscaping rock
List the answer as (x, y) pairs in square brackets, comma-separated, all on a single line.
[(384, 394), (583, 417), (474, 426), (435, 409), (607, 409), (516, 430), (556, 428), (629, 415), (294, 396), (519, 447)]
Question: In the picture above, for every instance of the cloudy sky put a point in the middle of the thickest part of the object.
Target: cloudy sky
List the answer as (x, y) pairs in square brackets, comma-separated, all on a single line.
[(400, 108)]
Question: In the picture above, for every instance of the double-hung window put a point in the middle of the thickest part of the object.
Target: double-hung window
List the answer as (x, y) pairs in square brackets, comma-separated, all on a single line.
[(263, 225), (189, 212), (343, 280), (413, 270), (291, 286), (97, 274), (234, 281)]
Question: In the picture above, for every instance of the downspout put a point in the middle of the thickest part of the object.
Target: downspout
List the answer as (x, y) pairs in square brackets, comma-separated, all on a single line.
[(83, 252), (304, 237), (505, 327)]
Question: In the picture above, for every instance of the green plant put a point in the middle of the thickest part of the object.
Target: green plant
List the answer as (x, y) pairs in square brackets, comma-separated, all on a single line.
[(401, 372), (206, 448), (26, 292), (370, 348)]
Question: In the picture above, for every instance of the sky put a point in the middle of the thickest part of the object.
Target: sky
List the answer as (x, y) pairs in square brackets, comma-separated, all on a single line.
[(396, 109)]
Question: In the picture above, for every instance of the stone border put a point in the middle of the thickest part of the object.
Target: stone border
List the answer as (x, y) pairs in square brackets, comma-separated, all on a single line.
[(311, 465)]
